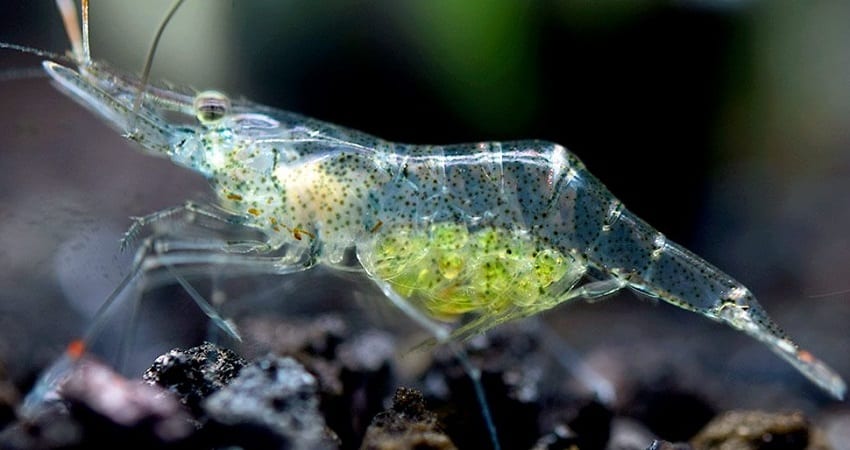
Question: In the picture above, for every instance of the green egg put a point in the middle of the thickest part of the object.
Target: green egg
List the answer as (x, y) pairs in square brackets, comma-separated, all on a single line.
[(448, 271)]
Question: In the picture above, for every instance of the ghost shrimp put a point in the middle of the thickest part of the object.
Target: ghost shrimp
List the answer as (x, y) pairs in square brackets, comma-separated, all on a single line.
[(461, 238)]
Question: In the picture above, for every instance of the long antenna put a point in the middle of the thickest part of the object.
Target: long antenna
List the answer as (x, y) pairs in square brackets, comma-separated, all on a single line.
[(149, 62), (86, 48), (36, 52), (72, 27)]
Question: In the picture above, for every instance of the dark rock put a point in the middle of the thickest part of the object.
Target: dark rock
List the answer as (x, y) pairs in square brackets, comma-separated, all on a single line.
[(9, 397), (104, 409), (318, 336), (408, 424), (592, 424), (195, 373), (836, 428), (756, 430), (586, 427), (340, 380), (355, 372), (101, 399), (369, 352), (313, 343), (51, 427), (560, 437), (667, 445), (670, 412), (273, 403), (367, 377), (628, 434), (511, 385), (523, 386)]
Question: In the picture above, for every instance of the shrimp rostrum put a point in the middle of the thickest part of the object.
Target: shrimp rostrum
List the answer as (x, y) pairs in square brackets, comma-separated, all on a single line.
[(472, 235)]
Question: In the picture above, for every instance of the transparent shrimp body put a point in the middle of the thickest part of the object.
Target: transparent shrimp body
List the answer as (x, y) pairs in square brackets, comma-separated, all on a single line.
[(470, 234)]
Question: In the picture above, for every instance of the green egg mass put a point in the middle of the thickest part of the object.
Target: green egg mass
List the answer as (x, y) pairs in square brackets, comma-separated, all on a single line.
[(448, 270)]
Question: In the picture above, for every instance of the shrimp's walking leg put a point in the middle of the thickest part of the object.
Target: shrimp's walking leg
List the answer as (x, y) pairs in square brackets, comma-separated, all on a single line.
[(191, 212), (595, 290), (168, 258), (591, 291), (443, 336), (225, 246)]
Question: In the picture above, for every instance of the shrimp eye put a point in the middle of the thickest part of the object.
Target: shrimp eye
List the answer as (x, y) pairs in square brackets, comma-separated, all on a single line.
[(211, 106)]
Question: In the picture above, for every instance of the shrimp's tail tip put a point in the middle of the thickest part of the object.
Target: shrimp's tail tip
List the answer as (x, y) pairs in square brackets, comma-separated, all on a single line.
[(755, 322), (822, 375), (811, 367)]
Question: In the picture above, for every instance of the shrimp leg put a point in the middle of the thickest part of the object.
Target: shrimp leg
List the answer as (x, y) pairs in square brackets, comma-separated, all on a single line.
[(189, 213), (595, 290), (166, 258), (591, 292)]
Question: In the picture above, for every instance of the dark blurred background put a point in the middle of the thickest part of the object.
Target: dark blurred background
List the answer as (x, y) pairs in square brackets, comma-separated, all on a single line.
[(725, 124)]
